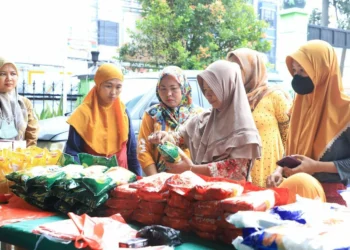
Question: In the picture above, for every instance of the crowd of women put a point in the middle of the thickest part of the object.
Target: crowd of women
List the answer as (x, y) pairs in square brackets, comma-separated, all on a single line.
[(250, 126)]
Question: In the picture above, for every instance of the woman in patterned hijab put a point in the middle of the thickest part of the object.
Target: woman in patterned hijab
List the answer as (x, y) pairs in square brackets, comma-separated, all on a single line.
[(175, 107)]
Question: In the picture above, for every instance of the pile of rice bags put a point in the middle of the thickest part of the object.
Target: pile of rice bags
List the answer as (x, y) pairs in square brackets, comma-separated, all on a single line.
[(187, 202)]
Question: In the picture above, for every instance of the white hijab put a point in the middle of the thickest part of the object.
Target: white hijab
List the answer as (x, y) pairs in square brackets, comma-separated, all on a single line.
[(12, 107)]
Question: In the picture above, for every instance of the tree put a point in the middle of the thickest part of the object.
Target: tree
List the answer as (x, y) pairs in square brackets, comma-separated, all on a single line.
[(342, 12), (193, 33), (315, 17)]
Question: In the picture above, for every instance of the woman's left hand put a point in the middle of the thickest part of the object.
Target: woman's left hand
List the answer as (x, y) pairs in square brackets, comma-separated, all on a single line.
[(307, 165), (184, 165)]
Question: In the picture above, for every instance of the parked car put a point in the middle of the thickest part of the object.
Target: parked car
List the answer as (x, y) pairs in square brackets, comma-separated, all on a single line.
[(54, 131)]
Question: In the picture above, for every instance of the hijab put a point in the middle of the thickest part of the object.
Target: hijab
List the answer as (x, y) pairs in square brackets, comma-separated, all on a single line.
[(104, 129), (228, 132), (254, 74), (12, 107), (178, 115), (320, 117)]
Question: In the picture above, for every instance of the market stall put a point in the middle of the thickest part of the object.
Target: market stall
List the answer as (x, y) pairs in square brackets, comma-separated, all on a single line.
[(70, 205)]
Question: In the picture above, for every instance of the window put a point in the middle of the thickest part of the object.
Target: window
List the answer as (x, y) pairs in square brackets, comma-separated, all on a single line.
[(108, 33)]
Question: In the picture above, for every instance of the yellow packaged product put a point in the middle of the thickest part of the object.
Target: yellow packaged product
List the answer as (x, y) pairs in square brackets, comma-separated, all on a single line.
[(53, 156), (34, 150), (5, 167), (38, 159), (18, 161)]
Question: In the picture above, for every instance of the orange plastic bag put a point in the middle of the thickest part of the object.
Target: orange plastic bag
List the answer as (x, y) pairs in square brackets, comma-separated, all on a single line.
[(95, 233), (19, 210)]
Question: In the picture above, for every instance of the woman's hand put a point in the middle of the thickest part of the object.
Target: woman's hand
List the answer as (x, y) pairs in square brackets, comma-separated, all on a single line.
[(184, 165), (159, 137), (307, 165), (275, 179)]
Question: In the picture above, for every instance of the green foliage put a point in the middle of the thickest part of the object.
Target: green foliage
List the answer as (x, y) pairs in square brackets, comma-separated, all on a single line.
[(193, 33), (342, 8), (47, 112), (315, 17)]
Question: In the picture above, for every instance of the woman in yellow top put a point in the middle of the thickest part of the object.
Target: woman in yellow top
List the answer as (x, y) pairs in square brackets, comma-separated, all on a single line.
[(269, 106), (101, 125), (175, 107)]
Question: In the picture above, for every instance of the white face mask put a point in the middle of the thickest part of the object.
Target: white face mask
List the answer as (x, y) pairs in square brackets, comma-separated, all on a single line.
[(8, 130)]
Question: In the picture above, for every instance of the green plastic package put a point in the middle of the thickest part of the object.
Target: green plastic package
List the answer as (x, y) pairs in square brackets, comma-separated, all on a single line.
[(16, 176), (36, 176), (65, 160), (85, 197), (46, 180), (104, 182), (77, 208), (73, 173), (89, 160), (169, 152)]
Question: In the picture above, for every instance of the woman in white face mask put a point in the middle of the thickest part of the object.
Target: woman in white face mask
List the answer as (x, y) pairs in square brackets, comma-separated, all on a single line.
[(17, 119)]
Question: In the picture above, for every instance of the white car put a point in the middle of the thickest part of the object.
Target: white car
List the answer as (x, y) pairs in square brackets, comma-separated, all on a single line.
[(138, 93)]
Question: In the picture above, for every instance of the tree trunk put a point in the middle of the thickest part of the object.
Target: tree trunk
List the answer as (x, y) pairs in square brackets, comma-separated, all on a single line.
[(325, 15)]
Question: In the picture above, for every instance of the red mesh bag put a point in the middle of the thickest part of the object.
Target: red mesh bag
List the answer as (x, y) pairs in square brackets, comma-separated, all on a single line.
[(158, 178), (183, 184), (217, 190), (176, 200), (203, 224), (176, 223), (146, 218), (152, 207), (209, 209), (180, 213), (156, 190), (153, 196), (124, 192), (122, 204), (251, 201), (221, 179), (206, 235), (222, 223)]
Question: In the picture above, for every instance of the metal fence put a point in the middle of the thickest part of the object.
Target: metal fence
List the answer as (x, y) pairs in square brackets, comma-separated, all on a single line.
[(49, 94), (336, 37)]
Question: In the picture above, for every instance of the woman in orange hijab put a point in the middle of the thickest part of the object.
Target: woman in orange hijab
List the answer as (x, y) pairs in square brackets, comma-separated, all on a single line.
[(101, 125), (270, 107), (319, 133)]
